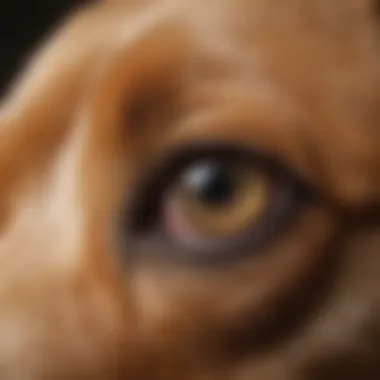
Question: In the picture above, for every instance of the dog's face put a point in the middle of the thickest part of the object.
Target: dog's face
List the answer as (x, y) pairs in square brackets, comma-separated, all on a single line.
[(189, 190)]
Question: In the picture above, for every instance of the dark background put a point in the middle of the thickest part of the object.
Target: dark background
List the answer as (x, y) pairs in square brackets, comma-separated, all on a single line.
[(23, 23)]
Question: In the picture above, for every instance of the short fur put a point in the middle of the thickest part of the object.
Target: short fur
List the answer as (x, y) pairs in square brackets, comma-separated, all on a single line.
[(122, 82)]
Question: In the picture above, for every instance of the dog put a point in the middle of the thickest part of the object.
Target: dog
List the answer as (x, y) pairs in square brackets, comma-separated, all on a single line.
[(190, 190)]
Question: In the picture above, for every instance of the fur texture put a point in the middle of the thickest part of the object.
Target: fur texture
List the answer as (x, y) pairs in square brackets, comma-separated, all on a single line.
[(123, 82)]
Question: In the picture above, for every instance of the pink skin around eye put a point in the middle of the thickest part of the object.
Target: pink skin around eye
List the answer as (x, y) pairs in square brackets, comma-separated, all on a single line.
[(175, 223)]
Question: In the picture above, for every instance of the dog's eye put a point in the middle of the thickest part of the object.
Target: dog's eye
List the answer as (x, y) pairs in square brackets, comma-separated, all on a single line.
[(212, 204), (215, 200)]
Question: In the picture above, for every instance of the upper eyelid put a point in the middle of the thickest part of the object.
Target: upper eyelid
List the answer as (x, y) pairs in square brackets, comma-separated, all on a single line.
[(222, 150), (156, 177), (268, 160)]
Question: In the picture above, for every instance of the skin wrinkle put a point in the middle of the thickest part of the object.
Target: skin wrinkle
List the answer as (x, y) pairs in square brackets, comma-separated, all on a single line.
[(122, 85)]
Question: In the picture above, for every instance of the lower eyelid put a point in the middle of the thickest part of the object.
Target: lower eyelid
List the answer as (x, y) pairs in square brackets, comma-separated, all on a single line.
[(175, 224)]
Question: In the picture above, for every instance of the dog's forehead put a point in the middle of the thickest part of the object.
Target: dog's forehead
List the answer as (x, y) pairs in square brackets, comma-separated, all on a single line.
[(315, 44), (318, 56)]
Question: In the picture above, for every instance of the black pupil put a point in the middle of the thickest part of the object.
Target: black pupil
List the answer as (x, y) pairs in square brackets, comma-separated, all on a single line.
[(211, 183)]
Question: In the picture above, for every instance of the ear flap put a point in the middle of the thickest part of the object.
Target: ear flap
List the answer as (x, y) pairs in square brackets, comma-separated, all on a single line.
[(36, 113)]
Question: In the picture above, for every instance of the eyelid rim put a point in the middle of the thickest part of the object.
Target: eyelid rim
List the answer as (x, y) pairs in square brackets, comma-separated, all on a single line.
[(156, 177), (142, 236)]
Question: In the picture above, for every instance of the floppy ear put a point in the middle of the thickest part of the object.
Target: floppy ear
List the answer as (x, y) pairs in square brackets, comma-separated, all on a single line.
[(35, 114)]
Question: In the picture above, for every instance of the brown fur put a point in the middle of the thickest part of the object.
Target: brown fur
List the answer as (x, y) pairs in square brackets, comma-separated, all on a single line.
[(123, 82)]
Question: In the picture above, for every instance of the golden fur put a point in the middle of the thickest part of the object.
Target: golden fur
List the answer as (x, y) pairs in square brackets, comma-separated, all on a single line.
[(122, 82)]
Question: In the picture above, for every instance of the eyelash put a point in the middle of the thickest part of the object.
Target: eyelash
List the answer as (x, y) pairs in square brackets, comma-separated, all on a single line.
[(142, 221)]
